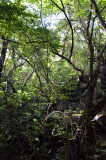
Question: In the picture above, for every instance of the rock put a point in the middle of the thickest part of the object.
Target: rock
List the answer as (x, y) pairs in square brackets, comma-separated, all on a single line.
[(100, 122)]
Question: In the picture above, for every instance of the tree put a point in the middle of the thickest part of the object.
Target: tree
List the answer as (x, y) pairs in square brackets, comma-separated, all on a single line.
[(38, 62), (86, 21), (85, 24)]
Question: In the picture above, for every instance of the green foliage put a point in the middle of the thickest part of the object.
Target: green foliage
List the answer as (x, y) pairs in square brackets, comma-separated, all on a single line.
[(39, 73)]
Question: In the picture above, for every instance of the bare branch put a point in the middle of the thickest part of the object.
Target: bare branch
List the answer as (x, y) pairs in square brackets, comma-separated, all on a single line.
[(64, 41), (29, 77), (89, 19), (69, 22), (102, 51), (14, 68), (13, 88), (98, 13), (92, 28), (57, 5), (49, 116), (35, 70), (67, 59), (98, 60)]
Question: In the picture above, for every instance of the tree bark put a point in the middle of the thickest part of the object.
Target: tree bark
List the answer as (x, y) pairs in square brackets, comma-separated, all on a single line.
[(3, 55)]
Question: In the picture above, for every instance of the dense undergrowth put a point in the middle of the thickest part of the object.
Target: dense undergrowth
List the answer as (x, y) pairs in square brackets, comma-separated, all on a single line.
[(29, 132)]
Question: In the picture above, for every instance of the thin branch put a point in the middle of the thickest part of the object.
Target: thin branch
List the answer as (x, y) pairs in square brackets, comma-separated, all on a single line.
[(41, 13), (35, 70), (98, 58), (49, 116), (29, 77), (14, 68), (64, 42), (57, 5), (94, 22), (63, 10), (92, 28), (98, 13), (9, 82), (102, 51), (9, 40), (67, 59), (89, 19)]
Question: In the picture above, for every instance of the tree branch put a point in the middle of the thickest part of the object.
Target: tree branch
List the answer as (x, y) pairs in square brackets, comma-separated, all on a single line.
[(3, 55), (98, 58), (102, 51), (69, 22), (29, 77), (98, 13), (14, 68), (89, 19), (67, 59), (57, 5)]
